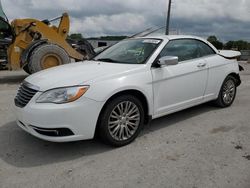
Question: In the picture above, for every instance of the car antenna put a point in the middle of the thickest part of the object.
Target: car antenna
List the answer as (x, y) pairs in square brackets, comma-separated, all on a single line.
[(168, 17)]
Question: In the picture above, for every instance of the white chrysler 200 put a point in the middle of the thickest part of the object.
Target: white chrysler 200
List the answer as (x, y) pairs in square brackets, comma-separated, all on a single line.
[(124, 87)]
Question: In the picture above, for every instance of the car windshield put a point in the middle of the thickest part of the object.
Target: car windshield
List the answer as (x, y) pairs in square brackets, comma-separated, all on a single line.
[(133, 51)]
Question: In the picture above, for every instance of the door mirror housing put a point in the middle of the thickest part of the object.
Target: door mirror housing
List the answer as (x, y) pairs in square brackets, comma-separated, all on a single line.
[(168, 60)]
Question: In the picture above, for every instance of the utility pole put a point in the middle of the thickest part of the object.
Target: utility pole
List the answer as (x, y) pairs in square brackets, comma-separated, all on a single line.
[(168, 18)]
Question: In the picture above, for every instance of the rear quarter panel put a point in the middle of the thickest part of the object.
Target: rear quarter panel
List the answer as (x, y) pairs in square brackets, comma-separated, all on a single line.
[(219, 69)]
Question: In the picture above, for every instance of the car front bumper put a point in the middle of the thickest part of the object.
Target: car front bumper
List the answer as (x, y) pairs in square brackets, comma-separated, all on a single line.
[(60, 122)]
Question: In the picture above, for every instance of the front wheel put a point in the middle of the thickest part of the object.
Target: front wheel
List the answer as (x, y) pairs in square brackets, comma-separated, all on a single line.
[(121, 120), (227, 92)]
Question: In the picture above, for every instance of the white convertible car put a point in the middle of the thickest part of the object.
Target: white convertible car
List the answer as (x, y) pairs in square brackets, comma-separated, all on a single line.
[(125, 87)]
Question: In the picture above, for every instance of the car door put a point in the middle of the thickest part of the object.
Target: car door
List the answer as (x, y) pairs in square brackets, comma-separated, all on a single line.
[(179, 86), (216, 69)]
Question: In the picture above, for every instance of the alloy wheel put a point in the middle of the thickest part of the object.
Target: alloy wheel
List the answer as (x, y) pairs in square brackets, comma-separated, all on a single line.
[(228, 91), (124, 120)]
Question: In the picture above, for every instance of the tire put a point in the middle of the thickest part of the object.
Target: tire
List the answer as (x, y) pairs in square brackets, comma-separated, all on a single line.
[(227, 92), (111, 123), (26, 69), (46, 56)]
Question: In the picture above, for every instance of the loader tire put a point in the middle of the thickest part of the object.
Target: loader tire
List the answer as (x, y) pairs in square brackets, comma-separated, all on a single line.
[(46, 56), (26, 69)]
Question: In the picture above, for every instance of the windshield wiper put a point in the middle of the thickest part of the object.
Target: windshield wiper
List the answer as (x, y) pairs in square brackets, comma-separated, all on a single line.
[(106, 60)]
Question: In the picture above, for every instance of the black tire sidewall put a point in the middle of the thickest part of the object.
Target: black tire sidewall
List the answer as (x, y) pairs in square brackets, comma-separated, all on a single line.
[(103, 131), (26, 69)]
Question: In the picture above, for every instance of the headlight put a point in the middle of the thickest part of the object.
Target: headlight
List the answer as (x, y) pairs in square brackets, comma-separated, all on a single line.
[(62, 95)]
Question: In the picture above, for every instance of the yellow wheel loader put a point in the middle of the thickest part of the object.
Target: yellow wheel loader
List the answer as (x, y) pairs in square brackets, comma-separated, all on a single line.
[(36, 45)]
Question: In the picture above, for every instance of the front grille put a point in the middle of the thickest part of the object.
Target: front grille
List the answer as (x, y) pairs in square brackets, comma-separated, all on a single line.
[(25, 93)]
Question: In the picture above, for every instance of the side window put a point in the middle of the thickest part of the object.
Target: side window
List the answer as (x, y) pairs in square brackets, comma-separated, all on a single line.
[(205, 49), (186, 49)]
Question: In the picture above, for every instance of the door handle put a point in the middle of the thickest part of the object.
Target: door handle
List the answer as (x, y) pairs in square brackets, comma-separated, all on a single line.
[(200, 65)]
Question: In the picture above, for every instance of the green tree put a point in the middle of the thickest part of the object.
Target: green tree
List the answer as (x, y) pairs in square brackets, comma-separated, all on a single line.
[(237, 45), (113, 37), (229, 45), (212, 38), (218, 44), (241, 45), (76, 36)]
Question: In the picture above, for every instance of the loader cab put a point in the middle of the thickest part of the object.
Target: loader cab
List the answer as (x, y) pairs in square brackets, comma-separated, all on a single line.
[(5, 28)]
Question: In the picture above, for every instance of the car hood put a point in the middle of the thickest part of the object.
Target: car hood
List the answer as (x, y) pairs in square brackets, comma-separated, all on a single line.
[(78, 74)]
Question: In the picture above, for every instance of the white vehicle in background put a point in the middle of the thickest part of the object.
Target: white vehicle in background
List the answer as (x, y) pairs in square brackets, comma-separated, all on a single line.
[(124, 87)]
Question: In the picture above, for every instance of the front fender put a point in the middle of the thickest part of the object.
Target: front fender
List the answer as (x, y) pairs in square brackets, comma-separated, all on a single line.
[(101, 91)]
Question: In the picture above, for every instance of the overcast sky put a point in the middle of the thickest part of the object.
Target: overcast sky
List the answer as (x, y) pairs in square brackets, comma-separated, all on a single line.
[(227, 19)]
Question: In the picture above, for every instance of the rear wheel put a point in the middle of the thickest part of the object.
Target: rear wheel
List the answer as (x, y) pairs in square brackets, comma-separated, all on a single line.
[(121, 120), (46, 56), (227, 92)]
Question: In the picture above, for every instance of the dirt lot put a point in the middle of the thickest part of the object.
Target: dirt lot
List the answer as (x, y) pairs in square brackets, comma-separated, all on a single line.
[(202, 147)]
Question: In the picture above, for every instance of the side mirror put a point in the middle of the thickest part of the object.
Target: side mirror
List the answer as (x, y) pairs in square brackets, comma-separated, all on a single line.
[(168, 60)]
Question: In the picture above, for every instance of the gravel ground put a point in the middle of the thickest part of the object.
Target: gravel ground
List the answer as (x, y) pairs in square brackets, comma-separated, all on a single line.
[(202, 147)]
